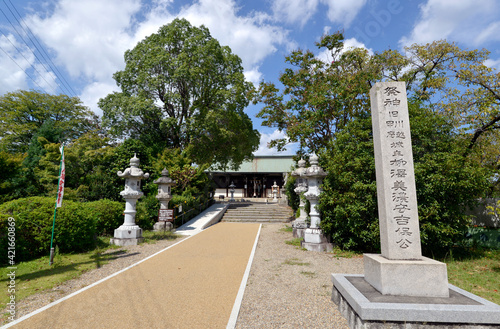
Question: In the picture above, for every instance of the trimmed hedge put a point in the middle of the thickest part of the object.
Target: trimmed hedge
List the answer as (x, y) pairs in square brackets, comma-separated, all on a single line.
[(147, 212), (76, 228), (108, 215)]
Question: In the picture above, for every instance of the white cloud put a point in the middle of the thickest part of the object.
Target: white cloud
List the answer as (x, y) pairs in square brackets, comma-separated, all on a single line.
[(89, 38), (250, 37), (266, 138), (493, 63), (463, 20), (489, 33), (325, 56), (45, 79), (94, 91), (294, 11), (254, 76), (353, 43), (13, 65), (343, 11)]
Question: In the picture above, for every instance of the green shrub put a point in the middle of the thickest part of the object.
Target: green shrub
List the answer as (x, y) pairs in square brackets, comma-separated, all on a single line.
[(293, 197), (147, 212), (75, 227), (108, 215)]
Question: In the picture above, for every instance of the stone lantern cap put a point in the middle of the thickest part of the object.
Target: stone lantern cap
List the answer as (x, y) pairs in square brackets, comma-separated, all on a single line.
[(164, 179), (134, 171), (301, 169), (164, 183), (314, 170), (232, 186)]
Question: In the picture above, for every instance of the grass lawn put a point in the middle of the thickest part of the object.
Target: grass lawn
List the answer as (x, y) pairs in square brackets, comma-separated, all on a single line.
[(37, 275), (478, 275)]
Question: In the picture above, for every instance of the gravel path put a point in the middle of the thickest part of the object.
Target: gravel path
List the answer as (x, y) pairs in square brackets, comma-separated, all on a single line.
[(291, 288), (287, 287)]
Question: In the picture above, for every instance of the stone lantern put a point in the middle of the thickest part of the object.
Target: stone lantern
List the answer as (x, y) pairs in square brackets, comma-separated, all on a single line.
[(314, 239), (231, 189), (129, 233), (165, 215), (299, 224), (275, 191)]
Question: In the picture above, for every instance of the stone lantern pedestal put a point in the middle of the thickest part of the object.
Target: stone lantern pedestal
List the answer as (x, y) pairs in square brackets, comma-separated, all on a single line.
[(164, 195), (299, 225), (314, 239), (129, 233)]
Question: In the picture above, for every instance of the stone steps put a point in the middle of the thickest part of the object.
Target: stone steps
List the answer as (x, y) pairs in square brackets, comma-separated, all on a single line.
[(257, 212)]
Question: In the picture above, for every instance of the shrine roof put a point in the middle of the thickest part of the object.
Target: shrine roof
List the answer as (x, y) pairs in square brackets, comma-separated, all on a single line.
[(264, 164)]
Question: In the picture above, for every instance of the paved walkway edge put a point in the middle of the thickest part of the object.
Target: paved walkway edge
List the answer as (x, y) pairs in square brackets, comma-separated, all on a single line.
[(10, 324), (239, 298)]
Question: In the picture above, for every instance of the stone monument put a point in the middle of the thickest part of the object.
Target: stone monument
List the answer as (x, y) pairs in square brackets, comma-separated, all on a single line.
[(165, 215), (400, 269), (299, 224), (314, 238), (129, 233), (401, 287)]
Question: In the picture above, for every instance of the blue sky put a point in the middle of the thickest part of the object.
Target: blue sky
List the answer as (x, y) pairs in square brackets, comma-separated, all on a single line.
[(86, 39)]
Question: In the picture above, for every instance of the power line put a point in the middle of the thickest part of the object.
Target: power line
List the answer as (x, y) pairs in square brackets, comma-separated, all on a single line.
[(27, 61), (45, 57), (39, 47), (20, 35), (22, 54), (6, 53)]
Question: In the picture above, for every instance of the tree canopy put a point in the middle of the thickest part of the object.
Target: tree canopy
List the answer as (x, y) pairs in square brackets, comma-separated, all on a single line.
[(181, 89), (320, 96), (23, 113)]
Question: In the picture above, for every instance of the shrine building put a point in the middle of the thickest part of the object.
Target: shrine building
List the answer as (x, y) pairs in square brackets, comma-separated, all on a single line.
[(255, 178)]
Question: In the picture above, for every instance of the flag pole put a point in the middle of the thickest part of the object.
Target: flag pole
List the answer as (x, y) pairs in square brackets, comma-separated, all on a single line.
[(60, 192)]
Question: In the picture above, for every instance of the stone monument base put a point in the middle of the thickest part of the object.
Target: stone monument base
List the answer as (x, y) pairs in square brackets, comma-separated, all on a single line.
[(299, 227), (299, 232), (423, 278), (366, 308), (315, 240), (127, 236), (163, 226)]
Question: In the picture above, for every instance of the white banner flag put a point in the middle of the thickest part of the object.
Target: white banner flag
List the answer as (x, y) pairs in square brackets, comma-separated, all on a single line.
[(62, 177)]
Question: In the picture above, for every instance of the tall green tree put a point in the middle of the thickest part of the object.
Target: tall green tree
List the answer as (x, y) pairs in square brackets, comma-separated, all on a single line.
[(181, 89), (23, 112), (319, 97)]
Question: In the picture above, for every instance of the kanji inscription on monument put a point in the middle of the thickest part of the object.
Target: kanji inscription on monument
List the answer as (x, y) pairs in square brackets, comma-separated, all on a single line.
[(396, 191)]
